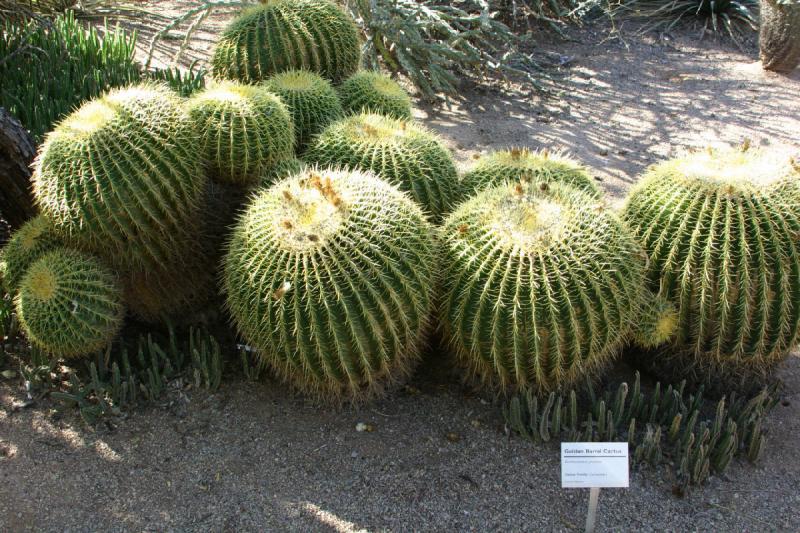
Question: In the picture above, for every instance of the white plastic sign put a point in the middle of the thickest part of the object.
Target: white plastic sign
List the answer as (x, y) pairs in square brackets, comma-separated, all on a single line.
[(594, 464)]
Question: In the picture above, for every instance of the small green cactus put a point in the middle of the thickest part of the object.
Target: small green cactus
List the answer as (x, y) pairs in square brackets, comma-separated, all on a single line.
[(243, 128), (330, 276), (720, 228), (280, 35), (521, 163), (311, 100), (400, 151), (542, 285), (69, 304), (657, 324), (121, 177), (27, 244), (372, 91), (280, 170)]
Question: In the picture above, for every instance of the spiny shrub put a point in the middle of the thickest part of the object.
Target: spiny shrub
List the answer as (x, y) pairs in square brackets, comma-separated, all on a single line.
[(399, 151), (372, 91), (288, 34), (330, 276), (311, 100), (33, 239), (243, 129), (121, 176), (720, 228), (523, 164), (69, 304), (280, 170), (542, 285)]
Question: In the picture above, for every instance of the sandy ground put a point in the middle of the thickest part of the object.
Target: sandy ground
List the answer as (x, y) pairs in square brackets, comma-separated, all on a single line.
[(254, 457)]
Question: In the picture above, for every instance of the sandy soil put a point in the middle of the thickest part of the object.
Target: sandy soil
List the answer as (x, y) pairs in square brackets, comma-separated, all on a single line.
[(255, 457)]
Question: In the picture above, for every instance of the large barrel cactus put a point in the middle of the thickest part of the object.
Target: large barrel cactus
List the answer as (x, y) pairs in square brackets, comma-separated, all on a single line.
[(330, 276), (399, 151), (243, 128), (779, 34), (372, 91), (29, 242), (121, 176), (311, 100), (721, 230), (281, 170), (542, 285), (281, 35), (69, 304), (523, 164)]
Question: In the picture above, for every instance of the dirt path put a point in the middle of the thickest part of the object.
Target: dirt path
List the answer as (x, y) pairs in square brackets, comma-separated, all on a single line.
[(253, 457)]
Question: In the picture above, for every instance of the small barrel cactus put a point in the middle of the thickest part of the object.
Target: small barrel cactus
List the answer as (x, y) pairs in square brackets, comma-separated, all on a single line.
[(281, 35), (542, 285), (243, 129), (372, 91), (121, 176), (311, 100), (282, 169), (27, 244), (330, 276), (69, 304), (523, 164), (400, 151), (720, 228)]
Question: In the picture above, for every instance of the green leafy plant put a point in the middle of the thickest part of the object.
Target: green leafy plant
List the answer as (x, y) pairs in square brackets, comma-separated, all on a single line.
[(330, 276), (542, 285), (48, 67), (720, 227), (400, 151), (371, 91), (662, 426), (718, 15), (184, 82)]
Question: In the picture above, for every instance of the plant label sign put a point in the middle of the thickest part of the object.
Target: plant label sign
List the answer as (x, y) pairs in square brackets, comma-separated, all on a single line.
[(594, 465)]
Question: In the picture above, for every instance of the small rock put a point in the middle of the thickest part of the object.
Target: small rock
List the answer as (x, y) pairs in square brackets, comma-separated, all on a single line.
[(453, 437), (362, 427)]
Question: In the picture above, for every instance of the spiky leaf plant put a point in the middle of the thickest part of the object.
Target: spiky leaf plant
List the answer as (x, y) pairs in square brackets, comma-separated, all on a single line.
[(69, 304), (516, 164), (720, 228), (369, 90), (281, 35), (330, 275), (311, 100), (33, 239), (400, 151), (542, 285), (280, 170), (243, 128), (121, 176)]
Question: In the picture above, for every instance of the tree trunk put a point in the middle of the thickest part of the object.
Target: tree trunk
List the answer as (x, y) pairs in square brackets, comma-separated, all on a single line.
[(780, 35), (16, 153)]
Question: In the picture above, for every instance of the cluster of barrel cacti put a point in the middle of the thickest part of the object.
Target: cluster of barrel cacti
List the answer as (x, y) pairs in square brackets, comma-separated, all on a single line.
[(342, 232)]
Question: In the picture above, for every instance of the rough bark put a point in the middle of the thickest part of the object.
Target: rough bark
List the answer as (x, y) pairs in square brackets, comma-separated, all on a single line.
[(780, 35), (16, 153)]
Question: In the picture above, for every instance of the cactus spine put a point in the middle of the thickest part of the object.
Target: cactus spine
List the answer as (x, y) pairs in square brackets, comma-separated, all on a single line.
[(329, 274), (282, 35), (69, 304), (372, 91), (243, 128), (399, 151), (33, 239), (542, 285), (720, 228), (311, 100)]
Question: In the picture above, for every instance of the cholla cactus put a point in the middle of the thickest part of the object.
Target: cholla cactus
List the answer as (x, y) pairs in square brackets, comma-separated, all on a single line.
[(523, 164), (69, 304), (720, 228), (311, 100), (281, 35), (372, 91), (34, 238), (243, 128), (399, 151), (330, 275), (542, 285), (121, 176)]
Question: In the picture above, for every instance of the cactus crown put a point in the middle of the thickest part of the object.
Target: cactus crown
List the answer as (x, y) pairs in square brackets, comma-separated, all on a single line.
[(35, 237), (525, 164)]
